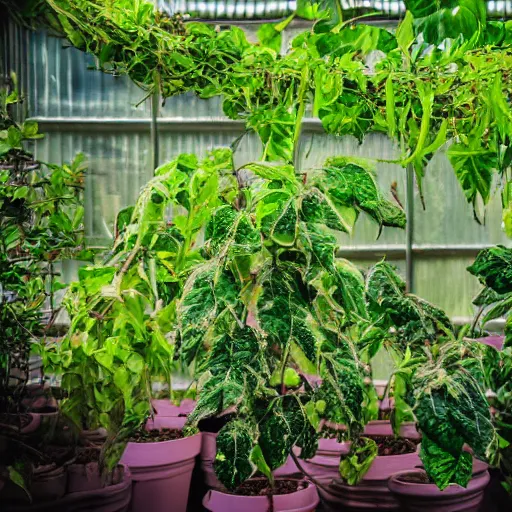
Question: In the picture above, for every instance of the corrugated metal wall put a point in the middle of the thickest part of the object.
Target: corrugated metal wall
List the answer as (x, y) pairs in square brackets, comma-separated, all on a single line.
[(84, 110)]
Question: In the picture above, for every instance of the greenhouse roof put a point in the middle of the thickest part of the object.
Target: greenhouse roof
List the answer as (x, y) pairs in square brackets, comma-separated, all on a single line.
[(250, 9)]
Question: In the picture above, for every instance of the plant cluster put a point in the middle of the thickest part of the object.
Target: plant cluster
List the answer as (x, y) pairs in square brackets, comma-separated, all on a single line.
[(270, 306), (244, 281), (443, 76), (122, 309), (493, 268), (41, 222)]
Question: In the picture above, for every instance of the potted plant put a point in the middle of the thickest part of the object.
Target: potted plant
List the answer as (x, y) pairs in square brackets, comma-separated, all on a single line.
[(403, 325), (265, 312), (492, 267), (452, 414), (41, 223), (121, 336)]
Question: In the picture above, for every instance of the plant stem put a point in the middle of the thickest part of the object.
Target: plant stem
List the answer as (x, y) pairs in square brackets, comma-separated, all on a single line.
[(304, 472)]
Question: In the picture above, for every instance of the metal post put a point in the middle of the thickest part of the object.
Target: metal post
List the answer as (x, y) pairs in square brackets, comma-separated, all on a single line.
[(409, 230), (155, 102)]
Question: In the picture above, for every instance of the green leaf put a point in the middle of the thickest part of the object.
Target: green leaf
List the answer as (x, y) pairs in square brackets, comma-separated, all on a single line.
[(493, 267), (357, 462), (280, 429), (390, 107), (259, 461), (235, 443), (342, 391), (444, 468), (405, 34), (135, 363), (270, 34), (16, 478), (21, 192), (473, 167), (122, 379)]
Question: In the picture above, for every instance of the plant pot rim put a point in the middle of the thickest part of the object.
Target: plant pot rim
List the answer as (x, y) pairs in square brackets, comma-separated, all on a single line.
[(152, 443), (308, 494), (399, 486)]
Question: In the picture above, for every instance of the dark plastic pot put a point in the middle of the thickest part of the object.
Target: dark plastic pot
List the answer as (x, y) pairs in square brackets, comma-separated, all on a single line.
[(167, 408), (84, 477), (48, 484), (371, 493), (209, 451), (304, 500), (114, 498), (161, 473), (93, 437), (422, 497)]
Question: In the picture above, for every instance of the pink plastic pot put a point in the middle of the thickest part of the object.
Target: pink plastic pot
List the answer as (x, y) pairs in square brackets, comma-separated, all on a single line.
[(371, 492), (161, 473), (304, 500), (492, 341), (209, 451), (159, 422), (114, 498), (167, 408), (419, 497), (384, 428)]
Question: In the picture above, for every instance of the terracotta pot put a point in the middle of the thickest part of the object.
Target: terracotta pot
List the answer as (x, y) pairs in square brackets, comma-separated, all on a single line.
[(304, 500), (114, 498), (167, 408), (209, 450), (420, 497), (371, 492), (383, 428), (161, 473)]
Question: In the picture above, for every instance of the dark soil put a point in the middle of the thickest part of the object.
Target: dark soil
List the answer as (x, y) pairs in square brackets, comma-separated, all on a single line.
[(390, 445), (213, 425), (86, 455), (262, 487), (156, 436), (415, 478)]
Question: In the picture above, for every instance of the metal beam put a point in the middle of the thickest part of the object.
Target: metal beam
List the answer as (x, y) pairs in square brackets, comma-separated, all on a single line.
[(175, 124), (155, 143), (423, 251)]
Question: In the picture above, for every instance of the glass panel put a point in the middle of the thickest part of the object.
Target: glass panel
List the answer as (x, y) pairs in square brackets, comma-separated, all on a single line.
[(448, 217), (59, 84), (445, 282), (119, 166), (316, 147)]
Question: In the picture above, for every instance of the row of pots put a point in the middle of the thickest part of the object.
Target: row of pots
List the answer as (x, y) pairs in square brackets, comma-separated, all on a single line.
[(159, 474)]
